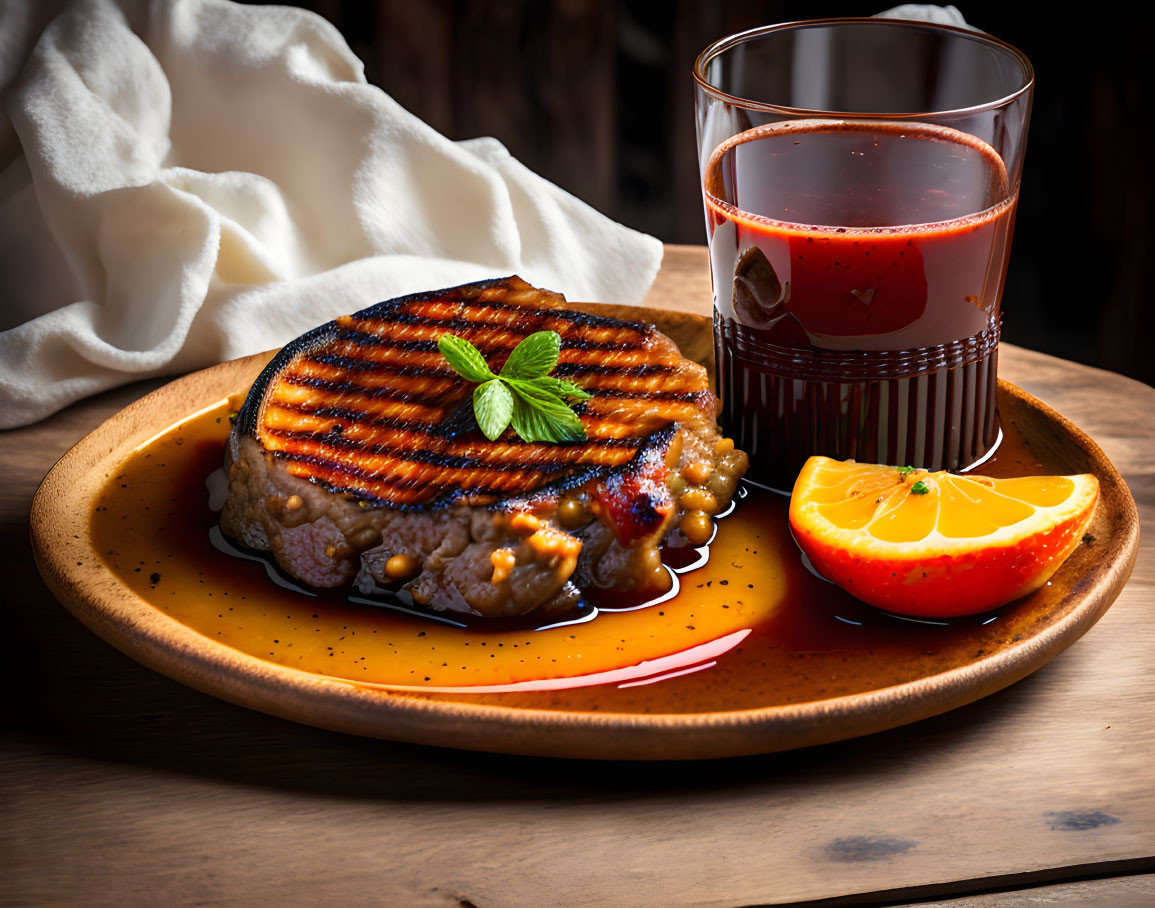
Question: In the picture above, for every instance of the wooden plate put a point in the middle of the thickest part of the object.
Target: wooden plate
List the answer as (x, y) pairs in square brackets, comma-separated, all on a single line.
[(838, 694)]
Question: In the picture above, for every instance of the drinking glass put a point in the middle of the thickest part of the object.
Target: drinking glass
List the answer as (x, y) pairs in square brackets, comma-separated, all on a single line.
[(860, 178)]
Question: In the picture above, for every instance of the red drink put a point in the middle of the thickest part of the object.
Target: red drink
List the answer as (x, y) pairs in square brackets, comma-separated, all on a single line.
[(863, 316)]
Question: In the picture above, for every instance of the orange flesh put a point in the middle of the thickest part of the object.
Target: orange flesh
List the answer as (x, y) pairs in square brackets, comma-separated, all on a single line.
[(959, 507), (762, 629)]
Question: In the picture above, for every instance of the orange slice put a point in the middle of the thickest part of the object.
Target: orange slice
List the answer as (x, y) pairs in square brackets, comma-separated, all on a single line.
[(936, 544)]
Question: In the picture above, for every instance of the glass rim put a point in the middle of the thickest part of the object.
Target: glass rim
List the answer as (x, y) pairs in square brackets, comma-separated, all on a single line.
[(724, 44)]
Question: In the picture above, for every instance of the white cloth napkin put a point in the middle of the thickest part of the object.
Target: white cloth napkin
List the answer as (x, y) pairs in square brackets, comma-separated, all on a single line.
[(922, 12), (188, 181)]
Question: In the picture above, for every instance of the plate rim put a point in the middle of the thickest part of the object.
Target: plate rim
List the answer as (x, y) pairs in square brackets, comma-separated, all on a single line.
[(92, 593)]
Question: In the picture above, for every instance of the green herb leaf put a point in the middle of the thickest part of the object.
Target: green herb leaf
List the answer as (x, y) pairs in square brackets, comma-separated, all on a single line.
[(465, 358), (560, 424), (541, 417), (919, 488), (902, 471), (561, 388), (535, 356), (492, 407), (536, 388), (524, 394)]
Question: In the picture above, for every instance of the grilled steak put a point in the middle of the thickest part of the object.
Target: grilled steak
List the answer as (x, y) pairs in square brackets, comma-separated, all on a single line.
[(356, 459)]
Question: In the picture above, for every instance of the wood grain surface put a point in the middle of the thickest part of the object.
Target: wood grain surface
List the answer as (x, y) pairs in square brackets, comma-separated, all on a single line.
[(120, 786)]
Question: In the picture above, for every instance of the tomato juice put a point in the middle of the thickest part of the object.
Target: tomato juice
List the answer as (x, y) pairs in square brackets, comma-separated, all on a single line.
[(858, 270)]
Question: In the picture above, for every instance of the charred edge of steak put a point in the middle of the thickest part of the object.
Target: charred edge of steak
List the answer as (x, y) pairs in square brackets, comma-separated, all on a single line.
[(655, 444), (462, 421), (466, 293), (480, 496), (477, 544), (539, 556)]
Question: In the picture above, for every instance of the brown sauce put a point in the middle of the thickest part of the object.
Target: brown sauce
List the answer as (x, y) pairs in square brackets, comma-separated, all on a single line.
[(749, 628)]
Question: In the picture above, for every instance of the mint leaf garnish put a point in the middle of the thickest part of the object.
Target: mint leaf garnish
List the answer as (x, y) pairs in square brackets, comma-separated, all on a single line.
[(535, 356), (919, 488), (560, 387), (542, 417), (524, 395), (493, 407), (465, 358), (533, 425)]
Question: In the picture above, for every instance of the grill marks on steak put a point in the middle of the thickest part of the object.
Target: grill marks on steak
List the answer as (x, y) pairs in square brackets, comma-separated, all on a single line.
[(356, 451), (367, 405)]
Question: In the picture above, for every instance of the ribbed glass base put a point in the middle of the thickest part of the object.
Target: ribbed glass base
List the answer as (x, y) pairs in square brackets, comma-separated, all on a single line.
[(932, 407)]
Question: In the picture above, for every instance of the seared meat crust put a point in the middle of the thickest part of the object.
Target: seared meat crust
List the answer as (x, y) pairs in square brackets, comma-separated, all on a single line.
[(356, 460)]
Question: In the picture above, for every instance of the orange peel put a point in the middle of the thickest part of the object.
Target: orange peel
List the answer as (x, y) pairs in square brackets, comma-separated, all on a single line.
[(936, 544)]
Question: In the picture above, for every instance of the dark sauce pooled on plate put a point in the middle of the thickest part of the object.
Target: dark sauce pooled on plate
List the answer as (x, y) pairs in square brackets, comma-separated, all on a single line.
[(748, 628)]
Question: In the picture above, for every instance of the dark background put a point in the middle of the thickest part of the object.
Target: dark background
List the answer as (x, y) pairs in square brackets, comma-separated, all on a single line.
[(596, 95)]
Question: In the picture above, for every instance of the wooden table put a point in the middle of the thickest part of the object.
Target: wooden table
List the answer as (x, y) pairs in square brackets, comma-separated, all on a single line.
[(121, 786)]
